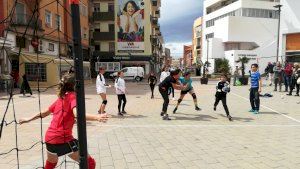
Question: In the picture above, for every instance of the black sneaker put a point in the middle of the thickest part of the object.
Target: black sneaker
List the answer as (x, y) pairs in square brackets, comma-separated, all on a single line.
[(229, 118), (120, 114), (124, 112), (289, 94), (215, 108), (162, 114), (297, 95), (174, 111), (166, 117), (197, 108)]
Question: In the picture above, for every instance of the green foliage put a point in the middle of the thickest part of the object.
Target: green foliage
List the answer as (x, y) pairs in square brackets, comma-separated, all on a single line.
[(222, 66), (244, 60)]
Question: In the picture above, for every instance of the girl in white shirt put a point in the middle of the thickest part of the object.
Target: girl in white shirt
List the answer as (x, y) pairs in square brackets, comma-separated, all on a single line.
[(121, 91), (165, 73), (101, 89)]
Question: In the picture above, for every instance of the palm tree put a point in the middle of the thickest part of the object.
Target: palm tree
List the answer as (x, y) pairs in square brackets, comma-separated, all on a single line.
[(244, 60)]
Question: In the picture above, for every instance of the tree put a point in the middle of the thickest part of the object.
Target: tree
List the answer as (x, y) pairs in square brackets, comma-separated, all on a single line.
[(222, 66), (244, 60)]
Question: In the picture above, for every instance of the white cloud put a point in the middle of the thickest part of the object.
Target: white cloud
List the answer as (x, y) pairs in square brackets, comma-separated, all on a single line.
[(176, 48)]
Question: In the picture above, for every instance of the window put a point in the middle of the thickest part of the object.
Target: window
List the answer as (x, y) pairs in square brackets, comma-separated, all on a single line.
[(111, 27), (111, 46), (85, 33), (35, 71), (96, 7), (111, 7), (97, 47), (211, 35), (48, 18), (58, 22), (51, 47), (20, 13), (21, 42)]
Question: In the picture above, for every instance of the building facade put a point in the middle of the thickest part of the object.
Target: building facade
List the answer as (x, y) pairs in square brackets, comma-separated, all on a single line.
[(188, 56), (290, 30), (197, 41), (47, 31), (167, 58), (121, 39), (238, 28)]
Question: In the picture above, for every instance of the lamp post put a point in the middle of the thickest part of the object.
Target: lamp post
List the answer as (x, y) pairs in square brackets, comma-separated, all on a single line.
[(278, 30)]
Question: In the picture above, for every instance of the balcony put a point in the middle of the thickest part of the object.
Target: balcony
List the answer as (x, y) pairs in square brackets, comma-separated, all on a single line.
[(198, 47), (23, 20), (103, 16), (157, 13), (103, 54), (104, 36), (154, 2), (154, 41), (154, 21)]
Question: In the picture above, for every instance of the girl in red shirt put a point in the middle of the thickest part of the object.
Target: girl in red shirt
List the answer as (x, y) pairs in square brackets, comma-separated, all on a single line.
[(59, 138)]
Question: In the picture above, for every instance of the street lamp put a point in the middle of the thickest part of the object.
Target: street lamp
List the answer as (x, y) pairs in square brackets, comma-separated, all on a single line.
[(278, 30)]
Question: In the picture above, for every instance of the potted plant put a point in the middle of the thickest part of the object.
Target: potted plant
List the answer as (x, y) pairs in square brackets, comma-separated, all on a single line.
[(244, 60), (204, 79)]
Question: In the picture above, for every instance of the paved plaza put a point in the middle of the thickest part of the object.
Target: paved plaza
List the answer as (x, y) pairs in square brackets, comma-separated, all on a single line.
[(204, 139)]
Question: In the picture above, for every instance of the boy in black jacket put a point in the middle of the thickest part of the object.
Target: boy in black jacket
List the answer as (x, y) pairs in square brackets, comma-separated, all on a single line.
[(223, 87)]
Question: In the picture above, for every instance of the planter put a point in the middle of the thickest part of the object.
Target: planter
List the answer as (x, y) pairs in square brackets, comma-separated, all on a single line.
[(244, 80), (204, 80)]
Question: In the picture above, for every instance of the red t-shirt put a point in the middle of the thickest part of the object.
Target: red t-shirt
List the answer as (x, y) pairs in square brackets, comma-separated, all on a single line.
[(60, 129)]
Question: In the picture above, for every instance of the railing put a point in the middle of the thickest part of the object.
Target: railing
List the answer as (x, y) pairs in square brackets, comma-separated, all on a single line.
[(104, 16), (24, 20), (104, 35)]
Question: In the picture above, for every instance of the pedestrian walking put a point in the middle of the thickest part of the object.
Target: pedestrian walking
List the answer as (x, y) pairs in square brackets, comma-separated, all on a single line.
[(101, 89), (25, 88), (295, 78), (121, 93), (223, 87), (59, 138), (236, 74), (270, 70), (255, 90), (169, 81), (288, 72), (187, 81), (152, 80), (278, 75)]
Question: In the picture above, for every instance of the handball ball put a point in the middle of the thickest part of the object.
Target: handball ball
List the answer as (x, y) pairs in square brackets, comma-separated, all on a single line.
[(226, 89)]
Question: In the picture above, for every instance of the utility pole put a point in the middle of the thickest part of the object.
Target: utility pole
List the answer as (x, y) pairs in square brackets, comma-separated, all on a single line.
[(80, 98), (278, 31)]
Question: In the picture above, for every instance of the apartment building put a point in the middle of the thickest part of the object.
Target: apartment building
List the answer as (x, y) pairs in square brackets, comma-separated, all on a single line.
[(197, 41), (48, 34), (238, 28), (290, 30), (188, 56), (117, 44)]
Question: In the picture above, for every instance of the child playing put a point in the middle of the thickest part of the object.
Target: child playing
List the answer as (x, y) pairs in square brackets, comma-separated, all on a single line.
[(255, 90), (222, 90), (59, 138), (120, 91), (101, 89), (186, 80)]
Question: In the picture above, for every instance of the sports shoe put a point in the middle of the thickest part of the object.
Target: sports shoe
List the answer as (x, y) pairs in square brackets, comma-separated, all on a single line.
[(197, 108), (120, 114), (229, 118), (289, 94), (124, 112), (297, 95), (215, 108), (162, 113), (251, 111), (166, 117), (256, 112), (174, 111), (173, 99)]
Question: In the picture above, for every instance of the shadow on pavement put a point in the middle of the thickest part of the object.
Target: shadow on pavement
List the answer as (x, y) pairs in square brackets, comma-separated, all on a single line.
[(234, 118), (194, 118)]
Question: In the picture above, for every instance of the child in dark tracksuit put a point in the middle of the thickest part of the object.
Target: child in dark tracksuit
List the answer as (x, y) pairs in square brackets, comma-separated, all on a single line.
[(221, 93)]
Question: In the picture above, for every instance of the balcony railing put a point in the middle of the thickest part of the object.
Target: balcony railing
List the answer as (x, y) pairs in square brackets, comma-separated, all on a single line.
[(104, 36), (27, 20), (198, 47), (104, 16), (103, 54), (154, 21)]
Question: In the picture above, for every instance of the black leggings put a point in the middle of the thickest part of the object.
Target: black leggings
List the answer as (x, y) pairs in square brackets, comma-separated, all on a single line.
[(121, 97), (164, 94), (223, 99), (152, 86)]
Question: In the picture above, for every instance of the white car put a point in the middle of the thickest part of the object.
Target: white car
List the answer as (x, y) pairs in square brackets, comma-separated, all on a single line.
[(131, 73)]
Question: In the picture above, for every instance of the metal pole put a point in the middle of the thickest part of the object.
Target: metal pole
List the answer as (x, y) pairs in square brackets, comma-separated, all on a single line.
[(78, 62), (278, 31)]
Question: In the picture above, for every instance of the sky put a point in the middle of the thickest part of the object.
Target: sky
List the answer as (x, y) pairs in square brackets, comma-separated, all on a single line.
[(176, 22)]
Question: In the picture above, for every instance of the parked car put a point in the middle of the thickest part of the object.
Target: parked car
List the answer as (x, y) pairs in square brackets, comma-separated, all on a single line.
[(131, 73)]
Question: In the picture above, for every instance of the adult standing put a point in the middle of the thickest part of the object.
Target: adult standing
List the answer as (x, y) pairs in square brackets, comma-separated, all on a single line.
[(101, 89), (288, 72), (255, 90), (236, 74), (278, 76), (295, 77), (170, 81), (152, 80), (25, 88), (270, 70)]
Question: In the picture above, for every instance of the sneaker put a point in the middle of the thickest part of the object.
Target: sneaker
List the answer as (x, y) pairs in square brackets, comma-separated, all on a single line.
[(174, 111), (251, 111), (173, 99), (289, 94), (275, 90), (124, 112), (197, 108), (162, 114), (166, 117), (215, 108), (297, 95), (152, 97), (229, 118), (256, 112), (120, 114)]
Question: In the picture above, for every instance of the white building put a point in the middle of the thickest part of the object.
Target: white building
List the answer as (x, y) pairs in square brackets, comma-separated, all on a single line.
[(290, 30), (237, 28)]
